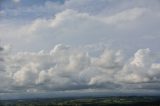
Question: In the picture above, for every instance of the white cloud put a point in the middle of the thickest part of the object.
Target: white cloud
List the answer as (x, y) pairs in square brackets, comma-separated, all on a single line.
[(126, 16), (81, 28), (140, 68), (74, 19), (73, 68)]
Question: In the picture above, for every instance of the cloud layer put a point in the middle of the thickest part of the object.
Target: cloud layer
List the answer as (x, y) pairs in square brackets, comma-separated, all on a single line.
[(118, 24), (67, 68)]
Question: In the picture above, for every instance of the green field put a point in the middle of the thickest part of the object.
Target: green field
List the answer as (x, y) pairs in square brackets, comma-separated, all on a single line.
[(90, 101)]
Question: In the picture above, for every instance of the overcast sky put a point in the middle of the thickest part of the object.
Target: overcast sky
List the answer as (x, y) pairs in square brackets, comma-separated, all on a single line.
[(80, 45)]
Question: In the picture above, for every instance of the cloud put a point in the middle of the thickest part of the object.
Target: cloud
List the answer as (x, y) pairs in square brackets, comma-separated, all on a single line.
[(2, 13), (16, 1), (126, 16), (79, 28), (140, 68), (74, 18), (119, 29), (67, 68), (128, 26)]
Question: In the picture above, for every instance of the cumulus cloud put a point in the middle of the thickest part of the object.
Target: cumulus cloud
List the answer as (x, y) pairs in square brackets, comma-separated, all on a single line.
[(66, 68)]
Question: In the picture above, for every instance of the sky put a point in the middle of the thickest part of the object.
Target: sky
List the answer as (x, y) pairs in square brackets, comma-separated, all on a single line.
[(79, 46)]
